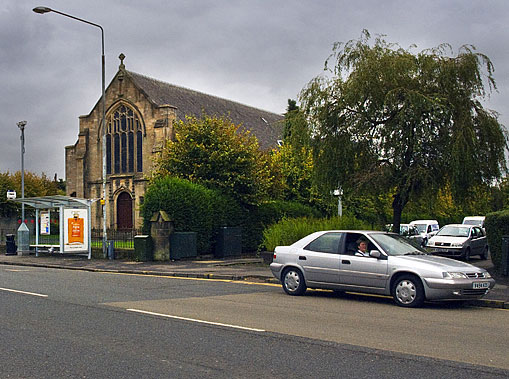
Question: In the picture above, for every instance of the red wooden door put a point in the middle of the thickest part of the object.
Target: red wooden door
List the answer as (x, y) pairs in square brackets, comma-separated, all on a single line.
[(124, 211)]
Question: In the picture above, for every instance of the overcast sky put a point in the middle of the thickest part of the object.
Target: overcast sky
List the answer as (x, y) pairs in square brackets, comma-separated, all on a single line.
[(257, 52)]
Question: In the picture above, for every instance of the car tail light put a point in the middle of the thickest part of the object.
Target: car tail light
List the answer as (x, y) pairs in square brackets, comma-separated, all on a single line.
[(274, 256)]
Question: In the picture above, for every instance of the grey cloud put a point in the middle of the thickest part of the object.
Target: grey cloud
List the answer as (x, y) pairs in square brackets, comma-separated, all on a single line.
[(258, 52)]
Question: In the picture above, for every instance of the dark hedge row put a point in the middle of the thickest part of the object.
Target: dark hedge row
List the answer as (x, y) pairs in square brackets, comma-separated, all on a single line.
[(195, 208), (497, 226)]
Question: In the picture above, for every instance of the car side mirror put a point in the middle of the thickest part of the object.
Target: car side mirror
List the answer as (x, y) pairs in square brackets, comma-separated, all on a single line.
[(375, 254)]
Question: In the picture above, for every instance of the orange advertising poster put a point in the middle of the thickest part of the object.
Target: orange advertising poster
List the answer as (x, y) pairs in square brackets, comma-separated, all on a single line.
[(76, 230)]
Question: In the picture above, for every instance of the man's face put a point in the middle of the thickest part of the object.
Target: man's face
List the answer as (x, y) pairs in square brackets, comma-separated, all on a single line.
[(363, 246)]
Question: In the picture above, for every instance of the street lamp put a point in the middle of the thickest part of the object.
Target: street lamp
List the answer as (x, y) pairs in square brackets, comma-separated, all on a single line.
[(339, 193), (42, 10), (23, 233)]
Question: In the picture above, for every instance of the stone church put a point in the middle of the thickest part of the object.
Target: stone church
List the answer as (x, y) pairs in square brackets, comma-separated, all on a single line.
[(140, 112)]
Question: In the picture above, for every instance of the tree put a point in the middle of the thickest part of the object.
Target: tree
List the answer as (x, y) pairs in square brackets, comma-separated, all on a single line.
[(34, 186), (390, 120), (294, 157), (218, 154)]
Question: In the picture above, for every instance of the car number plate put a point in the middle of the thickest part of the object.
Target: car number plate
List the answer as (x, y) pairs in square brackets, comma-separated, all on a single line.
[(481, 285)]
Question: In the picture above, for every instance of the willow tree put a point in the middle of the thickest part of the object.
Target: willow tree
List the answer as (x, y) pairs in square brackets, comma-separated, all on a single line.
[(387, 119)]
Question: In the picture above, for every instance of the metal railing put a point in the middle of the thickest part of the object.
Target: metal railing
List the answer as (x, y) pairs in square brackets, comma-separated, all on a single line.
[(123, 239)]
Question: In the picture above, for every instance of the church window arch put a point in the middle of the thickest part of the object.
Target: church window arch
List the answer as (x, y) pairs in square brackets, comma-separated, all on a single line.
[(124, 142)]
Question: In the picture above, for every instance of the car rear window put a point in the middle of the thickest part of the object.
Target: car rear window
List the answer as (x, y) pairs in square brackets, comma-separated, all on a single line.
[(326, 243)]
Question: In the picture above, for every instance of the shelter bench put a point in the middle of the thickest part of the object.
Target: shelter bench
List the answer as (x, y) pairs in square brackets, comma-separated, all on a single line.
[(47, 248)]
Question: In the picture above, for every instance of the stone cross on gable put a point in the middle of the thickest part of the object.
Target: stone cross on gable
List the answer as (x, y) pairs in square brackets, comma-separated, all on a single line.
[(121, 57)]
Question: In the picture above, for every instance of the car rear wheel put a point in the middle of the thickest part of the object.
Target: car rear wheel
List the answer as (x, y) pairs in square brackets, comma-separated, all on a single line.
[(407, 291), (293, 282)]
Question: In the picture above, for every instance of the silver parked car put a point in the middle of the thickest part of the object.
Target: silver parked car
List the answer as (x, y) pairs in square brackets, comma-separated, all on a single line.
[(393, 266), (459, 241)]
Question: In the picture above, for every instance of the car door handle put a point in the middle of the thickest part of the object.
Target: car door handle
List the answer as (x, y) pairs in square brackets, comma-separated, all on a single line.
[(345, 262), (302, 258)]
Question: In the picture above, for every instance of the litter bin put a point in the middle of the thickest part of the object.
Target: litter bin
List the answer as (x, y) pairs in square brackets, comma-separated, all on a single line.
[(229, 242), (183, 245), (110, 246), (505, 255), (10, 245)]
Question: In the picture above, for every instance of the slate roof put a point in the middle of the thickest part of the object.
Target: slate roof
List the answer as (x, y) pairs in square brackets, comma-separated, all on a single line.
[(266, 126)]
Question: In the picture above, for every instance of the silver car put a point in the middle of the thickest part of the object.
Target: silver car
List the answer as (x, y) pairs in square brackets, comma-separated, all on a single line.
[(330, 260), (459, 241)]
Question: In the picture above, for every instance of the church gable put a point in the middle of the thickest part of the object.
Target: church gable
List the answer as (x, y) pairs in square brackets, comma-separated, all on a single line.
[(140, 112)]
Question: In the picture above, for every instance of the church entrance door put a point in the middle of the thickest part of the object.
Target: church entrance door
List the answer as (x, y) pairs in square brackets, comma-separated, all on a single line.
[(124, 211)]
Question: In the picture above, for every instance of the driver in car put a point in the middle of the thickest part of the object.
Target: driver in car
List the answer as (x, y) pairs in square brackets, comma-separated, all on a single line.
[(362, 248)]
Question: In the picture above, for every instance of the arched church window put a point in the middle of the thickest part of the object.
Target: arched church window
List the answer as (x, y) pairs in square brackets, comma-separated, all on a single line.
[(124, 142)]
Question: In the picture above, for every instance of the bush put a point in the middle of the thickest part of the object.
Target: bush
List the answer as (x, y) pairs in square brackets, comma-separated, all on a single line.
[(290, 230), (192, 207), (267, 214), (497, 226)]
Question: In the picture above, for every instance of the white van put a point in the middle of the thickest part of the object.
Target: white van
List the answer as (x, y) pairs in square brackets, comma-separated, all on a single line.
[(427, 229), (474, 220)]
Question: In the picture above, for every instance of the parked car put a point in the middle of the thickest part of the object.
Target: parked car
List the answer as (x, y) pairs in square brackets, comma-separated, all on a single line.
[(412, 233), (474, 220), (408, 231), (394, 266), (427, 229), (459, 241)]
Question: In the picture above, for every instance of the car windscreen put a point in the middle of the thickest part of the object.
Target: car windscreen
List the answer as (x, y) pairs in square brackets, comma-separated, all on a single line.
[(421, 227), (454, 231), (393, 244), (472, 222)]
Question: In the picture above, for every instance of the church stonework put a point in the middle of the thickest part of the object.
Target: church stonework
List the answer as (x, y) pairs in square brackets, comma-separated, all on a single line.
[(140, 112)]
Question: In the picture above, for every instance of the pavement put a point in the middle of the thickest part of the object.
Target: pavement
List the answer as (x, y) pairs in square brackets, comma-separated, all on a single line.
[(249, 268)]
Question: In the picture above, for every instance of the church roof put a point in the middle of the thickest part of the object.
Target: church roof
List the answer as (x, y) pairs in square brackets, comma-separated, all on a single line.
[(266, 126)]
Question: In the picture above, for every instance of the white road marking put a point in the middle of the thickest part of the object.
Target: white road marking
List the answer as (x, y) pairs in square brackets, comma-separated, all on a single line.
[(23, 292), (195, 320)]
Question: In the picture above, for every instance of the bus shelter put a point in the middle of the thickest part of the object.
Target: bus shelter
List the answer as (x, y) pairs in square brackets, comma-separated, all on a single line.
[(75, 230)]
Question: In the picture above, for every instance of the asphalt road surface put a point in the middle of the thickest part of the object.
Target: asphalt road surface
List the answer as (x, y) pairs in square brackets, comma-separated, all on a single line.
[(64, 323)]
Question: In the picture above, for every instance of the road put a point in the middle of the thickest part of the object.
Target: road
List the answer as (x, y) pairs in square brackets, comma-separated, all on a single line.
[(65, 323)]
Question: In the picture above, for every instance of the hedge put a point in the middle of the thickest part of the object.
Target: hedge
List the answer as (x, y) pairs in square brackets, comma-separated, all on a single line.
[(267, 214), (193, 208), (497, 226)]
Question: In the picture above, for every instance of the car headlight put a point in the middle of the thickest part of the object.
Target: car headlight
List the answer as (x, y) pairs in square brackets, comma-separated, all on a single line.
[(487, 275), (454, 275), (456, 244), (430, 243)]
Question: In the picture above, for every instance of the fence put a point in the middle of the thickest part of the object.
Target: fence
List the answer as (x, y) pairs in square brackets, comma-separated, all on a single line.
[(123, 239)]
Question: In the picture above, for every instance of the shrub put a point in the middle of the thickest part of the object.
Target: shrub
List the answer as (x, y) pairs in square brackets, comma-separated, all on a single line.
[(290, 230), (267, 214)]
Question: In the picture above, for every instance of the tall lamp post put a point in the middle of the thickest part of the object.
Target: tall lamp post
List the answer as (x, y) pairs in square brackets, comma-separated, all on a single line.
[(23, 233), (42, 10)]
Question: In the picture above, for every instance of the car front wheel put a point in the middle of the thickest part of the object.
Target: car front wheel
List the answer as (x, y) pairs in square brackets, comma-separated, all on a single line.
[(484, 254), (293, 282), (467, 254), (407, 291)]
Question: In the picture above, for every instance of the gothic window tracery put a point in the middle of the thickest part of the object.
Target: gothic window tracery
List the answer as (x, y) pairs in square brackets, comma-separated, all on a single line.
[(124, 142)]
